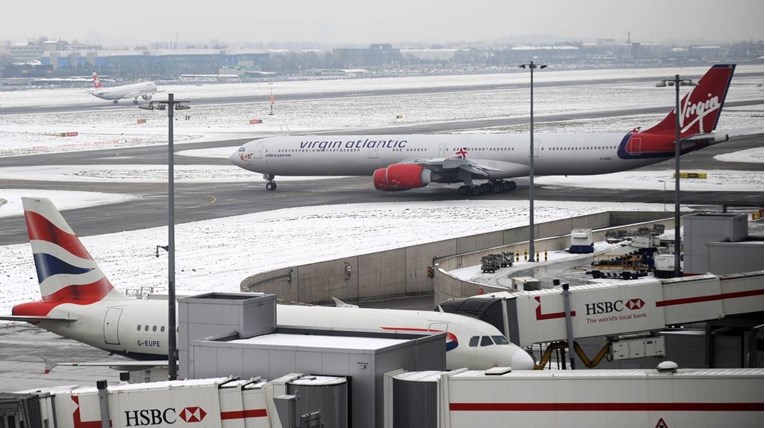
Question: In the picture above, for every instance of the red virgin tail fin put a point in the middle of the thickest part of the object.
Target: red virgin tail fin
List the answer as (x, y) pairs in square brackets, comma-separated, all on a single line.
[(96, 82), (700, 108)]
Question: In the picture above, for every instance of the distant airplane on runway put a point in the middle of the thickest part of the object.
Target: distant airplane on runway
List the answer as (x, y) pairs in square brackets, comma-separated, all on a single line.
[(80, 303), (143, 90), (403, 162)]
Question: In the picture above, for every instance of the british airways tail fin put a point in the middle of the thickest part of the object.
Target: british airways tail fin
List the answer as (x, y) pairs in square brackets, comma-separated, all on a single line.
[(96, 81), (65, 270), (700, 108)]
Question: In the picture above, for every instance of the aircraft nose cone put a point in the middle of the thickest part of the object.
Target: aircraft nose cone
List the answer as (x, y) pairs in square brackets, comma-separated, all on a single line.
[(234, 158), (522, 361)]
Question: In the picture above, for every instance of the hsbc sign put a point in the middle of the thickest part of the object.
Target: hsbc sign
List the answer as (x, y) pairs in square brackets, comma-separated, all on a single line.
[(167, 416), (608, 307), (596, 310)]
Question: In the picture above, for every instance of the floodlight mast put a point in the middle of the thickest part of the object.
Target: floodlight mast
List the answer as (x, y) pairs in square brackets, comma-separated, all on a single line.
[(677, 82), (172, 348), (531, 66)]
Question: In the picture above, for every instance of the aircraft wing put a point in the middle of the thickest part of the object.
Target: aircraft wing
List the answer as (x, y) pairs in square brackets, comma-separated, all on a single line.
[(477, 168), (137, 93), (25, 318), (116, 365)]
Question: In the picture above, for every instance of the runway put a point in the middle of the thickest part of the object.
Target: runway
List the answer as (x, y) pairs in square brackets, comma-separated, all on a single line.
[(202, 201)]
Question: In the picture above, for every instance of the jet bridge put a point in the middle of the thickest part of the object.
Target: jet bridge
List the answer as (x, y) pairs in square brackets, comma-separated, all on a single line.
[(615, 309), (631, 306)]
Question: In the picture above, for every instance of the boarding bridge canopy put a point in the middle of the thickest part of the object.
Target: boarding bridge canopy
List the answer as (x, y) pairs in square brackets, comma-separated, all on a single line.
[(631, 306)]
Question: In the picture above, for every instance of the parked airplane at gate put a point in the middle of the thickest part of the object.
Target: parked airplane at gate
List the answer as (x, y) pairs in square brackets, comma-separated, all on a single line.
[(403, 162), (79, 302), (143, 90)]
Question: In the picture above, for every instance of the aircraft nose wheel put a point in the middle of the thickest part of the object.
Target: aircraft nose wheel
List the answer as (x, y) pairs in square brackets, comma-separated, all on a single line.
[(271, 186)]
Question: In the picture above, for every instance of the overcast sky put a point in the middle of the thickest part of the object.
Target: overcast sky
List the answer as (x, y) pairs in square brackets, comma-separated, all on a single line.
[(336, 22)]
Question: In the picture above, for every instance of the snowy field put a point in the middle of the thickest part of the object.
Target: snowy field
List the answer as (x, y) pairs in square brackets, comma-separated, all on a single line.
[(120, 127), (215, 255)]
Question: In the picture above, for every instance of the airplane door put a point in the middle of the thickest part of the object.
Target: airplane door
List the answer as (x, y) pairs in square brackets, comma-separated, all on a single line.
[(442, 151), (536, 147), (438, 327), (373, 153), (111, 324), (257, 152)]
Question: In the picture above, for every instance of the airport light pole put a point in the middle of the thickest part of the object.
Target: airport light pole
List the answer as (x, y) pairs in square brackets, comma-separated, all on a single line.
[(531, 66), (172, 352), (677, 82), (664, 195)]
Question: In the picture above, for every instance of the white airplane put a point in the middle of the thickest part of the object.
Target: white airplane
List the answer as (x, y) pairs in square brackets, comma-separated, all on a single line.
[(143, 90), (402, 162), (79, 302)]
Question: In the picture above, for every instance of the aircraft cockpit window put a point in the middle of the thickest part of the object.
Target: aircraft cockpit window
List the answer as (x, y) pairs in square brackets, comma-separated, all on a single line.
[(486, 341), (474, 341), (241, 149), (500, 340)]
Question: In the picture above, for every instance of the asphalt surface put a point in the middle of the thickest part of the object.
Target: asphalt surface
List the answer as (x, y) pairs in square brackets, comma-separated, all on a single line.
[(202, 201), (235, 99)]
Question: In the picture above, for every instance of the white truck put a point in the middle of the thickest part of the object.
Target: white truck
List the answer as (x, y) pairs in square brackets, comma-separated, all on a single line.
[(581, 241)]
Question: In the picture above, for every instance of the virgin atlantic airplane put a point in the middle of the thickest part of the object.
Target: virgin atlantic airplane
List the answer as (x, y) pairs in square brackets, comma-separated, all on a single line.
[(403, 162)]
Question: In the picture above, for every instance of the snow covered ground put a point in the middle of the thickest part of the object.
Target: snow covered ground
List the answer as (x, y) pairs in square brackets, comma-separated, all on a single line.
[(474, 273), (120, 127), (215, 255)]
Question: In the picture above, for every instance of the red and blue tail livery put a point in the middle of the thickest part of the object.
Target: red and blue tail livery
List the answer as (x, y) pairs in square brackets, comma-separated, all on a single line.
[(65, 270), (699, 113)]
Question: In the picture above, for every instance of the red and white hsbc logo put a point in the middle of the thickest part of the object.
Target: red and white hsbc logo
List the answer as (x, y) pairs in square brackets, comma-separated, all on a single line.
[(168, 416), (193, 414), (608, 307)]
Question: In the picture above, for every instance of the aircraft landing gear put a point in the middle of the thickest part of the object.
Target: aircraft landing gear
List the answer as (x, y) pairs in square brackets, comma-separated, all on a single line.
[(271, 184), (135, 102), (115, 102), (494, 186)]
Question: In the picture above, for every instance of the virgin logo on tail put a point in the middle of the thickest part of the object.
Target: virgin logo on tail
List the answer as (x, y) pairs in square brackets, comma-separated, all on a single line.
[(96, 82), (697, 111), (700, 109)]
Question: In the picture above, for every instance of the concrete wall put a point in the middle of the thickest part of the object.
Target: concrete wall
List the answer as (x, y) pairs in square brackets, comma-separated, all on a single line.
[(404, 271)]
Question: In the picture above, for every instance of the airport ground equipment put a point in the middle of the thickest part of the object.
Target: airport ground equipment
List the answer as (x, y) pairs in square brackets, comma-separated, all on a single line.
[(618, 308), (664, 397), (664, 265), (581, 242), (196, 403), (526, 283), (490, 263), (422, 399)]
